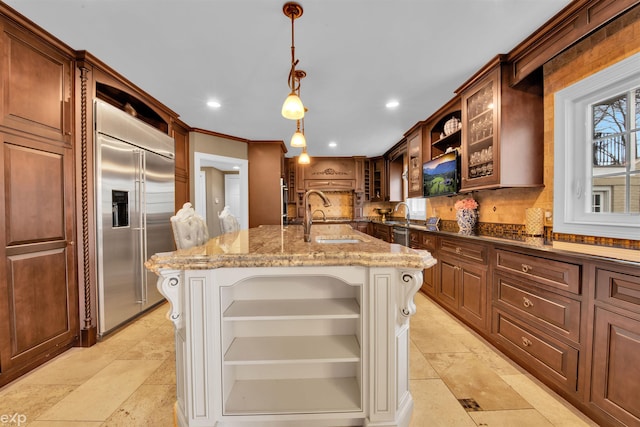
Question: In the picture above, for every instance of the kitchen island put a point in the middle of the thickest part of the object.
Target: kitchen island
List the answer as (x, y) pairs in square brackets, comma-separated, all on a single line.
[(274, 331)]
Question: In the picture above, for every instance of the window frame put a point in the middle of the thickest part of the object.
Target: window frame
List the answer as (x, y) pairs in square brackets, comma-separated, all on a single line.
[(572, 193)]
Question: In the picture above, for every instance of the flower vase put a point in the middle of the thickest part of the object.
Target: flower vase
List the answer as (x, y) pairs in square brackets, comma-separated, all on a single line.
[(467, 219)]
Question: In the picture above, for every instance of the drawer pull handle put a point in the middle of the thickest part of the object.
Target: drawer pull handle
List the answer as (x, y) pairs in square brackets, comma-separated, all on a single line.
[(526, 268), (456, 267), (526, 342), (527, 302), (458, 250)]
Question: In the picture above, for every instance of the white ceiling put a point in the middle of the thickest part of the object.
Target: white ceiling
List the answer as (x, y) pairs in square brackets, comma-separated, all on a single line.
[(358, 54)]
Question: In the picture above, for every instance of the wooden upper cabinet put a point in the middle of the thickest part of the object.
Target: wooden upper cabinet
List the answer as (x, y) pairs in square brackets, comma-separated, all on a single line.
[(414, 162), (36, 89), (362, 183), (434, 140), (502, 130), (378, 179), (396, 169)]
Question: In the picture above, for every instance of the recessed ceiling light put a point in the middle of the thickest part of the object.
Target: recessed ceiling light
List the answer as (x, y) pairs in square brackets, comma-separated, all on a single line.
[(213, 104), (333, 144), (392, 104)]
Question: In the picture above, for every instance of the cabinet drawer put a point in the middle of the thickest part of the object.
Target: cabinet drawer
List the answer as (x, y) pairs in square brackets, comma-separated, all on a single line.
[(552, 358), (618, 288), (428, 241), (465, 250), (422, 240), (546, 309), (546, 272)]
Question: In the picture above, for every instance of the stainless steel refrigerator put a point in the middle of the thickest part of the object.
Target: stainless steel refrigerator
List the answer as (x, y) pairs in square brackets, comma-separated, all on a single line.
[(134, 201)]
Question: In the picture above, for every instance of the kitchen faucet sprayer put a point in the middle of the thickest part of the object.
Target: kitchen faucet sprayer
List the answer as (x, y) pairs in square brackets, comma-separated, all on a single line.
[(307, 220)]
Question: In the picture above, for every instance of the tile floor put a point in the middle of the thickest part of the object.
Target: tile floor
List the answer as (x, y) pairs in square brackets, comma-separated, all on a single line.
[(128, 379)]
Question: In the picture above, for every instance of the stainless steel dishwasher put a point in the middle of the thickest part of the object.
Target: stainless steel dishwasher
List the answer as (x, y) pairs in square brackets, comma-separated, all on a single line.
[(401, 235)]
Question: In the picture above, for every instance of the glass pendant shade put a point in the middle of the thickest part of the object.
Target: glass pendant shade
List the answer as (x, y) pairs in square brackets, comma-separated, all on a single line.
[(292, 108), (304, 158), (298, 139)]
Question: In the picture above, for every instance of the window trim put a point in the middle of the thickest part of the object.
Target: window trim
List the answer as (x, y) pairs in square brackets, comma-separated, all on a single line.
[(572, 123)]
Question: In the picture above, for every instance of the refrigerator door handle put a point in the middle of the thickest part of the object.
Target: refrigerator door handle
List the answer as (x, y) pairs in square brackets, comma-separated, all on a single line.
[(139, 178), (143, 211)]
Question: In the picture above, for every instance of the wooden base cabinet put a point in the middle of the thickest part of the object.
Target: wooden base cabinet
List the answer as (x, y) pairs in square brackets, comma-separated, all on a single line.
[(537, 314), (615, 371), (382, 232), (572, 321), (427, 241), (462, 285)]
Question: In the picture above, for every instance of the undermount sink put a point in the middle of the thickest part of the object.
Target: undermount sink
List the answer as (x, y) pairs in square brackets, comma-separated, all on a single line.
[(339, 239)]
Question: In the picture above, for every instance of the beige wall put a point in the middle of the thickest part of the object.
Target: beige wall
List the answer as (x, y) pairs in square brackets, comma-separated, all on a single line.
[(218, 145), (213, 144), (215, 191)]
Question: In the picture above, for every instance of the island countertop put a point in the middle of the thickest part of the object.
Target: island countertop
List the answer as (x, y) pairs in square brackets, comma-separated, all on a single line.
[(284, 246)]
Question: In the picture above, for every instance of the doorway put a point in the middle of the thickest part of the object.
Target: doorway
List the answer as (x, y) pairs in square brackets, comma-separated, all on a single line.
[(236, 193)]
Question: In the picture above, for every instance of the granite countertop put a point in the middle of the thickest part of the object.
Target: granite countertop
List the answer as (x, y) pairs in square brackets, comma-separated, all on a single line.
[(276, 246), (528, 242)]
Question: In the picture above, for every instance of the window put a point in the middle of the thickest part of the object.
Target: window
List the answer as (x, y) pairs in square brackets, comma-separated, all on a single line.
[(600, 197), (417, 207), (597, 154)]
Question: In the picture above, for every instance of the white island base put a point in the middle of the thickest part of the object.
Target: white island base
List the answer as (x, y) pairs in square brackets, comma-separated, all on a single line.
[(292, 346)]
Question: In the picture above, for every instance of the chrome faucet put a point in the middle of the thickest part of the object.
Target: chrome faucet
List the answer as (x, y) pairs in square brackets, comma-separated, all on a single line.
[(324, 216), (307, 220), (407, 215)]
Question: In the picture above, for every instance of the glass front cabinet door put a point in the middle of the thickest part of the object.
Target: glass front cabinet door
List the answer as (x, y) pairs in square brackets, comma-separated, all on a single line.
[(502, 141)]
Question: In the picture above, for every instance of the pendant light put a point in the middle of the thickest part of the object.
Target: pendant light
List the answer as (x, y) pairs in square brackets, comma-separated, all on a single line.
[(304, 158), (293, 108), (298, 139)]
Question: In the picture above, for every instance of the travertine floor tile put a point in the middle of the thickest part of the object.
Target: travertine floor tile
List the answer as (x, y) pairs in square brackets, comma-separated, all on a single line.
[(434, 338), (153, 347), (511, 418), (96, 399), (149, 405), (469, 377), (132, 333), (550, 405), (419, 366), (165, 374), (65, 424), (76, 365), (436, 406), (31, 400)]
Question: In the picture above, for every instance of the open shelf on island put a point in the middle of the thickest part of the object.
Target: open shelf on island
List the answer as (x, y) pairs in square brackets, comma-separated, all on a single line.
[(339, 308), (287, 396), (296, 349)]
